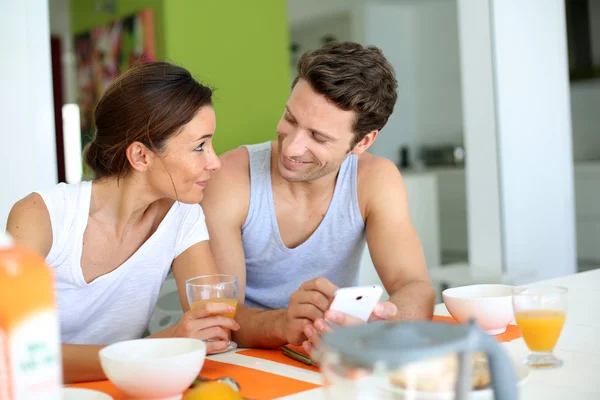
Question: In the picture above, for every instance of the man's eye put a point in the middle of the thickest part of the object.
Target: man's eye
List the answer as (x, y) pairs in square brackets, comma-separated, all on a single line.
[(318, 138)]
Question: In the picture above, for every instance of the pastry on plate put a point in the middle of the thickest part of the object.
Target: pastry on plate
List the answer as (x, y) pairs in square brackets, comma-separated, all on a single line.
[(439, 374)]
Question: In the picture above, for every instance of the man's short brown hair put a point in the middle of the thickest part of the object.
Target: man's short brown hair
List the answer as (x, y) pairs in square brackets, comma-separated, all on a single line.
[(353, 77)]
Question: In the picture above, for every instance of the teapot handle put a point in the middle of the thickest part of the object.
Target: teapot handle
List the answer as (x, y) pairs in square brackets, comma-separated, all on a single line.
[(502, 370)]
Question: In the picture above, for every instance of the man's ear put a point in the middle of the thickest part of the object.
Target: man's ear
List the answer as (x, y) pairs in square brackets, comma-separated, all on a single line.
[(365, 142), (139, 156)]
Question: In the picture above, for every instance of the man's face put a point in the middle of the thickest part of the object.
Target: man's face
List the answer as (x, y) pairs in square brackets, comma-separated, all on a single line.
[(313, 136)]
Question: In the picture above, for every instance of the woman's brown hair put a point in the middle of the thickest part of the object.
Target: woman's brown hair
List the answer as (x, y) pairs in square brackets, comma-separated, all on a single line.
[(148, 103)]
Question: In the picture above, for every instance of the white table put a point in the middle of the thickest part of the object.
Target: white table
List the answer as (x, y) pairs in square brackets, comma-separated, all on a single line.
[(578, 347)]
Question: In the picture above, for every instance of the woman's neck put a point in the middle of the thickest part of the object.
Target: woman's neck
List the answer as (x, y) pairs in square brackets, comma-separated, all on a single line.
[(120, 203)]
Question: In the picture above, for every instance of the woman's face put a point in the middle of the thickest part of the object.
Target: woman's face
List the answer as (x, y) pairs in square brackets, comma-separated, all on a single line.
[(183, 168)]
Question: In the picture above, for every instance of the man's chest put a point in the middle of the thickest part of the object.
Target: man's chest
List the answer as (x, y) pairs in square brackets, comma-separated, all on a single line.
[(296, 221)]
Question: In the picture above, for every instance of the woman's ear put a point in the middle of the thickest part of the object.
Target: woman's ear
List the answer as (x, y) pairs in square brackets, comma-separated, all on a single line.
[(139, 156)]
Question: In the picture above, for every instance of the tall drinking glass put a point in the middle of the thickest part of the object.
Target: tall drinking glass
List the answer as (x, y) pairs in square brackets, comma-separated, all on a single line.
[(540, 311), (217, 288)]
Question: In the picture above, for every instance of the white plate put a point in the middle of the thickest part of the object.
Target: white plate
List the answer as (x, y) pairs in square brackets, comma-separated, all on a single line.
[(521, 371), (380, 387), (83, 394)]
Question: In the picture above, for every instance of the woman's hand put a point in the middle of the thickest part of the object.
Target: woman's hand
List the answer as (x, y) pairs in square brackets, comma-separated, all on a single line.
[(205, 322)]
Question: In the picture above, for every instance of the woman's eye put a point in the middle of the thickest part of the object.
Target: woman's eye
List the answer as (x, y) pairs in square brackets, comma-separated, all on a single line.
[(200, 147)]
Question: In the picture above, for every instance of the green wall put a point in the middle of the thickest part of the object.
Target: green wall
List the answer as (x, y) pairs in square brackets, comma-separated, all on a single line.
[(240, 48)]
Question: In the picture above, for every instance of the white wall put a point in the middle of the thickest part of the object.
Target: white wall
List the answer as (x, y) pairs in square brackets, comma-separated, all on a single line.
[(532, 168), (308, 12), (535, 145), (437, 66), (27, 153), (484, 214), (420, 38), (426, 60), (424, 34), (391, 28), (309, 36)]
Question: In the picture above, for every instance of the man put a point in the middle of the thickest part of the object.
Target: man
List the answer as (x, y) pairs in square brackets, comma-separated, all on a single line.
[(290, 217)]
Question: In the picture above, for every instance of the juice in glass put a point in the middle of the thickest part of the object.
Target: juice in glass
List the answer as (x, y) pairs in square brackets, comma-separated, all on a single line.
[(232, 302), (540, 312), (215, 288), (540, 328)]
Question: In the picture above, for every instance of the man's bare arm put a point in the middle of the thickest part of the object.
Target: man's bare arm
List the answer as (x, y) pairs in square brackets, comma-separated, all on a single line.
[(395, 248)]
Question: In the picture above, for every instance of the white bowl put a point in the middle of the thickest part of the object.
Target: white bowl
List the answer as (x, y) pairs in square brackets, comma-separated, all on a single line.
[(153, 368), (83, 394), (489, 305)]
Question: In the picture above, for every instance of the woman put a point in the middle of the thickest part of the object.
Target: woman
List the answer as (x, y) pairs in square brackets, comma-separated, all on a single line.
[(112, 241)]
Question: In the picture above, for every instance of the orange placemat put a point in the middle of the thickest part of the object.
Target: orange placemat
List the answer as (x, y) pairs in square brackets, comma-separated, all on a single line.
[(278, 356), (255, 384), (512, 333)]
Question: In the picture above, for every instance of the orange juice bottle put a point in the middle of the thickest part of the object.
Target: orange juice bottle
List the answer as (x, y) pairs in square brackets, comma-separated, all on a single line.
[(30, 352)]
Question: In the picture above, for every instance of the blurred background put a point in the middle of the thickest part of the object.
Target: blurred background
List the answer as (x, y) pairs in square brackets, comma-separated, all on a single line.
[(496, 130)]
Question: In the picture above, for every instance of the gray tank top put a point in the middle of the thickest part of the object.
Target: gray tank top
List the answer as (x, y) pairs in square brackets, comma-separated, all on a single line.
[(333, 251)]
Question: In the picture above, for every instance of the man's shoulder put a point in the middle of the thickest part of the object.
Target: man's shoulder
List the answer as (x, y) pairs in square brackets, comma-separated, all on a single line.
[(374, 167), (228, 189), (378, 179), (234, 161)]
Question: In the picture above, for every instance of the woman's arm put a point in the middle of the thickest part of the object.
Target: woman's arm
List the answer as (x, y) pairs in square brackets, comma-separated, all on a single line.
[(195, 261), (81, 363)]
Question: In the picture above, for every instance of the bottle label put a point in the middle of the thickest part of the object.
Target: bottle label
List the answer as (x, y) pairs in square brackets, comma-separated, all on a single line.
[(30, 362)]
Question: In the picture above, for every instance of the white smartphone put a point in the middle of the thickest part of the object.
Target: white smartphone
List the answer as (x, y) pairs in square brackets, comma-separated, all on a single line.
[(358, 301)]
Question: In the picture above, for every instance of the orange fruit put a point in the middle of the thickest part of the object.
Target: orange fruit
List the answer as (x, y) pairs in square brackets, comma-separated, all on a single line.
[(213, 390)]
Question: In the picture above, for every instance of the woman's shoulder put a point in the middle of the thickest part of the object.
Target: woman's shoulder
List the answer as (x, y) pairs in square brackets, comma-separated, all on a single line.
[(29, 224), (62, 193), (35, 220)]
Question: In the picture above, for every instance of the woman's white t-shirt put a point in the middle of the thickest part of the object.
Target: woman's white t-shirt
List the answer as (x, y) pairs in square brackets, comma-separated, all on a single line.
[(116, 306)]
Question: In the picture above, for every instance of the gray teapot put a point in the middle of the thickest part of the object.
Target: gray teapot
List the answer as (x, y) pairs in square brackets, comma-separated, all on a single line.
[(414, 360)]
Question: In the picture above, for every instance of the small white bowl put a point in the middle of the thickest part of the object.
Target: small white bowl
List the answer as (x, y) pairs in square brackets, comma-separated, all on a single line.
[(83, 394), (489, 305), (157, 369)]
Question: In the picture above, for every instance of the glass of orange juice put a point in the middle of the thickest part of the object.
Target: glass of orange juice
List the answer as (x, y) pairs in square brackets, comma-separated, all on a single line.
[(216, 288), (540, 311)]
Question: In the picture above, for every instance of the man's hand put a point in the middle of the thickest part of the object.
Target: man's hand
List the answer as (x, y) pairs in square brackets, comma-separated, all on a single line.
[(307, 305), (383, 311)]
